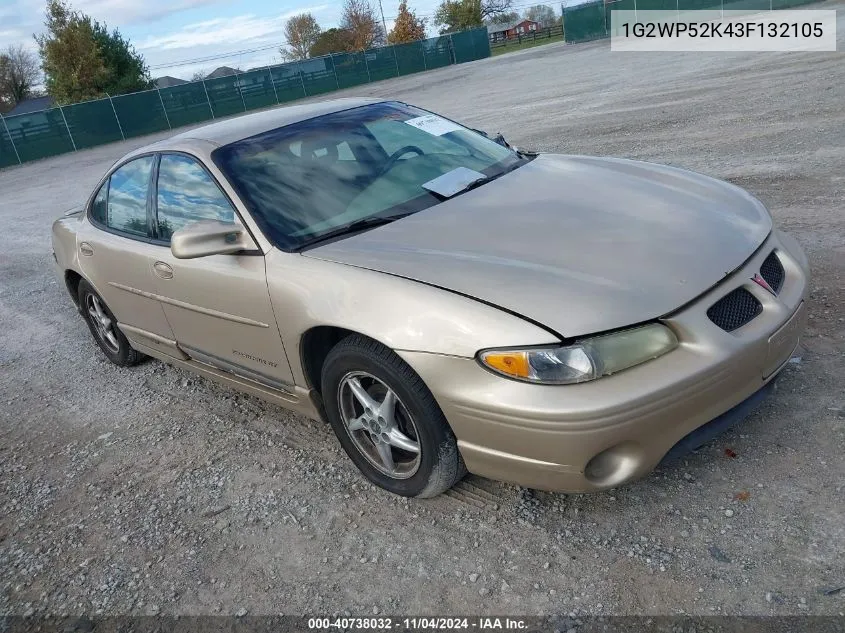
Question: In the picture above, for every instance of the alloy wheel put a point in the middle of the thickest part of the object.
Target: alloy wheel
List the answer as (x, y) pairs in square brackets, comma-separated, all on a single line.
[(103, 323), (379, 424)]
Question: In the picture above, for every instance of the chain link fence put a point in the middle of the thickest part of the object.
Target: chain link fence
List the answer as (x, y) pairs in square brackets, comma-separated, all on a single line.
[(591, 20), (70, 128)]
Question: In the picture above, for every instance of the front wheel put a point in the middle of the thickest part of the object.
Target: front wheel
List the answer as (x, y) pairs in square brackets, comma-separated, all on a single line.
[(387, 420)]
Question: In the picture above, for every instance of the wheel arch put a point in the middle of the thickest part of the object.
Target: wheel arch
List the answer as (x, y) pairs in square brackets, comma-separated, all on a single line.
[(72, 279), (315, 345)]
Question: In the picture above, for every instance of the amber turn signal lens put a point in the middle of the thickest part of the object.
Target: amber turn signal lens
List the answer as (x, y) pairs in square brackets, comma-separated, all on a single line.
[(512, 364)]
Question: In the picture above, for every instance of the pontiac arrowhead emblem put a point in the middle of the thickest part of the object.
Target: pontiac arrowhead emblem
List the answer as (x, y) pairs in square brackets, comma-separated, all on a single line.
[(757, 279)]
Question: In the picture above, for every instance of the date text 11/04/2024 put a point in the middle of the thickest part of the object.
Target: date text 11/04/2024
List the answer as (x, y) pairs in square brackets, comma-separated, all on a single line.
[(418, 623)]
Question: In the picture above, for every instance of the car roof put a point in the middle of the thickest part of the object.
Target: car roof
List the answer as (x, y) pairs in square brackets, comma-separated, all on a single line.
[(234, 129)]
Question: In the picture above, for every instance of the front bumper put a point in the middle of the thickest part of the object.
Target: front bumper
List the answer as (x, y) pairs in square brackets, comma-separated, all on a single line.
[(600, 434)]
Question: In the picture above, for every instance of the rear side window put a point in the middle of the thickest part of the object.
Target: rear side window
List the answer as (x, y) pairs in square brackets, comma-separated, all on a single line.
[(100, 207), (186, 194), (121, 203)]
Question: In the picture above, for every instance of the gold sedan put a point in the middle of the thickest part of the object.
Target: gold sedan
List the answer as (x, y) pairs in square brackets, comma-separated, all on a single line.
[(445, 301)]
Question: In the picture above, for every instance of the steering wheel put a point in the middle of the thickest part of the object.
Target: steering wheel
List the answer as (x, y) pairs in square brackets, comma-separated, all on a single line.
[(399, 153)]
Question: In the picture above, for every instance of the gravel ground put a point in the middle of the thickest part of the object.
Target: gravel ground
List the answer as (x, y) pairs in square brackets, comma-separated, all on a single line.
[(150, 490)]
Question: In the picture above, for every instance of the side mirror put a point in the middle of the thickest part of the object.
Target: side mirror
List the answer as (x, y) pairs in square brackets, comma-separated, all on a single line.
[(210, 237), (499, 138)]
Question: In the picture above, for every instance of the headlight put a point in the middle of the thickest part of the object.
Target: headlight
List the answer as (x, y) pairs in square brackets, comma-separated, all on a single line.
[(588, 359)]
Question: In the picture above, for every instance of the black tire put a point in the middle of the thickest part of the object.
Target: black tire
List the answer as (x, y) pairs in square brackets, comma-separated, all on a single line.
[(118, 350), (440, 465)]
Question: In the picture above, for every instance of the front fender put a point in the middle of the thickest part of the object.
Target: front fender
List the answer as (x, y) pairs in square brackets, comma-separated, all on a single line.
[(399, 313)]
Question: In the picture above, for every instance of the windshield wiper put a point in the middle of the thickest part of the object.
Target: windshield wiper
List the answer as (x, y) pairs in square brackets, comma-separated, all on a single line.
[(355, 227)]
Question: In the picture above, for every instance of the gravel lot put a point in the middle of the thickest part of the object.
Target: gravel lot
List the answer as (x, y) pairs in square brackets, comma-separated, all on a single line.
[(150, 490)]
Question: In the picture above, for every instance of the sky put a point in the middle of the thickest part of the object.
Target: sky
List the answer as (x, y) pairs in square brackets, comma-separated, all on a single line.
[(177, 36)]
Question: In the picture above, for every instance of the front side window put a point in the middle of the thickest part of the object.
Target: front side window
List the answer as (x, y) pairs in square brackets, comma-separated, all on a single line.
[(121, 203), (186, 194), (312, 178)]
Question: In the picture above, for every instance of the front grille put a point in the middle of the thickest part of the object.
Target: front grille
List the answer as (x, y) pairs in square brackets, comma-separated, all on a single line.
[(734, 310), (772, 271)]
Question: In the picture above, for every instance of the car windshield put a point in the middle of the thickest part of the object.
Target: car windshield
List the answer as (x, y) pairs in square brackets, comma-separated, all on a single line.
[(305, 181)]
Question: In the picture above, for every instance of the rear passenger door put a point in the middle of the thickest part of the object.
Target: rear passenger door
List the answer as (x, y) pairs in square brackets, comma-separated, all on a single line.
[(218, 306), (116, 249)]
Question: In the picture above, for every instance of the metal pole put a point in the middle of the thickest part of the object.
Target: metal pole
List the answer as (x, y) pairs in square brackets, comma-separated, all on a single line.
[(67, 127), (273, 83), (9, 134), (119, 126), (367, 64), (395, 60), (562, 19), (383, 23), (334, 70), (302, 80), (425, 64), (207, 98), (163, 109), (241, 92)]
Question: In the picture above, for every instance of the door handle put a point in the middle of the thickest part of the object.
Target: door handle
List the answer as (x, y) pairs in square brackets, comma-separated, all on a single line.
[(86, 249), (163, 270)]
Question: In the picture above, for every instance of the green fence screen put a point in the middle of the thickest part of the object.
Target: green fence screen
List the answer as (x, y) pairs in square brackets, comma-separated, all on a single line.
[(438, 52), (8, 156), (141, 113), (410, 58), (37, 135), (584, 22), (92, 123)]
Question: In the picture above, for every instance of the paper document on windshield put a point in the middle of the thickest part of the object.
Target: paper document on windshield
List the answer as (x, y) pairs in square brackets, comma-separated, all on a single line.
[(433, 124), (454, 182)]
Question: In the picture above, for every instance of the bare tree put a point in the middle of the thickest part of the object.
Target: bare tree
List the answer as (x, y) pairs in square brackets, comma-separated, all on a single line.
[(543, 14), (199, 75), (489, 8), (360, 22), (301, 33), (19, 74)]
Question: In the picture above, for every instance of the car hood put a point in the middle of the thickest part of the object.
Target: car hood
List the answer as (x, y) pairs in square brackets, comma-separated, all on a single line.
[(578, 244)]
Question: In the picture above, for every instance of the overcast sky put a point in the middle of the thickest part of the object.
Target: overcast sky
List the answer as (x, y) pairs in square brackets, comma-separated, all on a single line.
[(173, 35)]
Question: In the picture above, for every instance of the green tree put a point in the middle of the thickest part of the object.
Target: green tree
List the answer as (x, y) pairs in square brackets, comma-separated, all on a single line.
[(70, 58), (407, 27), (543, 14), (331, 41), (127, 70), (82, 60), (458, 15), (301, 33)]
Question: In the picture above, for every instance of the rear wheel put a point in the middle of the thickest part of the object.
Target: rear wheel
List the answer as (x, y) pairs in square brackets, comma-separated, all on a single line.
[(387, 420), (104, 328)]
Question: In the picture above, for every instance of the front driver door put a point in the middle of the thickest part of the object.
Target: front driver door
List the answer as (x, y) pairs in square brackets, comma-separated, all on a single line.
[(218, 306)]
